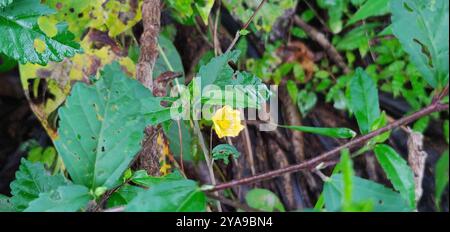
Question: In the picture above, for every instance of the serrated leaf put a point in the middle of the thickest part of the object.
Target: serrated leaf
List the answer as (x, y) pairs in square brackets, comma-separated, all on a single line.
[(217, 71), (101, 127), (423, 29), (31, 180), (370, 9), (176, 196), (398, 172), (264, 200), (365, 191), (239, 90), (342, 133), (224, 151), (24, 41), (363, 100), (70, 198), (441, 177)]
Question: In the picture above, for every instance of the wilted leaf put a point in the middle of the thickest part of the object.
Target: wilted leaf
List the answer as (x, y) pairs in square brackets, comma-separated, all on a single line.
[(112, 16), (59, 77), (31, 180)]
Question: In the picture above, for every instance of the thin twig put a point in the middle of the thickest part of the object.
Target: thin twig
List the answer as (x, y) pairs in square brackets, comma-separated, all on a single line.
[(436, 107), (248, 146), (238, 33), (323, 41), (208, 159), (180, 138)]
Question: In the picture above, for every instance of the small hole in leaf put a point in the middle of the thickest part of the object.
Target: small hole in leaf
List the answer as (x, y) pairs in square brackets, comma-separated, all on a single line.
[(380, 202), (426, 52), (80, 15), (71, 10), (103, 148)]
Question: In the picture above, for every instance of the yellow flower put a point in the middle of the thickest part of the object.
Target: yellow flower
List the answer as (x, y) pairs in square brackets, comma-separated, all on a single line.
[(227, 122)]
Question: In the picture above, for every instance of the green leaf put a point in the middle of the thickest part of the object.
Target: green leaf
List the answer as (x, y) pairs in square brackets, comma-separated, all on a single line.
[(204, 8), (23, 40), (357, 38), (370, 9), (175, 196), (31, 180), (124, 195), (168, 60), (342, 133), (306, 101), (46, 156), (6, 205), (217, 71), (6, 63), (101, 127), (4, 3), (264, 200), (421, 125), (365, 191), (70, 198), (363, 100), (446, 131), (377, 124), (244, 32), (223, 152), (427, 44), (398, 172), (346, 165), (292, 89), (172, 134), (244, 90), (143, 179), (441, 177)]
